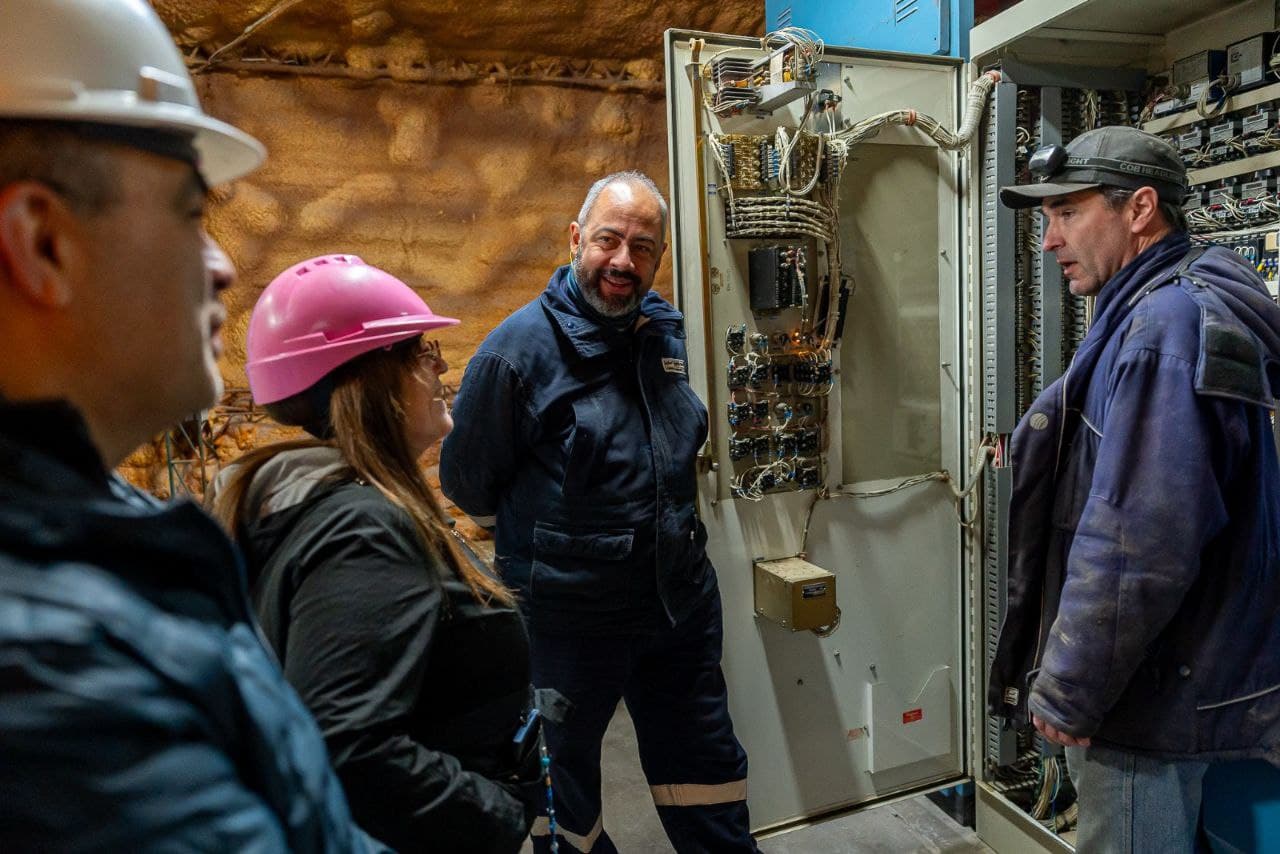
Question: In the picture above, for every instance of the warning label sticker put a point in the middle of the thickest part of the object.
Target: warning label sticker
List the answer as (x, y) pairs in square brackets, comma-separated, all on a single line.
[(913, 715)]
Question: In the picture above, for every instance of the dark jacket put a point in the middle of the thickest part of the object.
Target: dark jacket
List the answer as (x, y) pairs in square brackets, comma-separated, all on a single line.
[(579, 443), (417, 687), (139, 709), (1145, 536)]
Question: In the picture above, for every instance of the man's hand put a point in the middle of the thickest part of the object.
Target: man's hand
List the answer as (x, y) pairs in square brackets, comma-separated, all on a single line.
[(1057, 736)]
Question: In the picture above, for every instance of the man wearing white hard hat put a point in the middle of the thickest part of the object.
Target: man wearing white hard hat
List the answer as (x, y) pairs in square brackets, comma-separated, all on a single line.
[(139, 709)]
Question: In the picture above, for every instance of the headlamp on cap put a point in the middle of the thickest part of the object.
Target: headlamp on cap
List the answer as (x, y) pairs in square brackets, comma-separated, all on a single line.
[(1047, 160), (1121, 157)]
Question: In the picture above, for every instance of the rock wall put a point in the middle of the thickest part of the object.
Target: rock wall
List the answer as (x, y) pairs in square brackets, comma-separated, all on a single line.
[(408, 132), (465, 192), (502, 30)]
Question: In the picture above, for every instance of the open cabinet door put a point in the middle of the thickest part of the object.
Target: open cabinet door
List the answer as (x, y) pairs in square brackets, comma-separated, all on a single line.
[(827, 479)]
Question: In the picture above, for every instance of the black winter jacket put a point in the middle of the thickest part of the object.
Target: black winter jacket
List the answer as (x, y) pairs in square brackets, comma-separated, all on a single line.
[(139, 708), (417, 688)]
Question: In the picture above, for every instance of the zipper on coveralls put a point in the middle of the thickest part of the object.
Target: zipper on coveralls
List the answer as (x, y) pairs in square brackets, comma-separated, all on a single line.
[(637, 352)]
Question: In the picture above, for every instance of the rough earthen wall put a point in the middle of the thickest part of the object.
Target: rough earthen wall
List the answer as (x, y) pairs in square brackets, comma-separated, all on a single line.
[(464, 189)]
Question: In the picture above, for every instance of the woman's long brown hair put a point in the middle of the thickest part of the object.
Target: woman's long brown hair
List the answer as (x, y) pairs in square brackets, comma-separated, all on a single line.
[(367, 413)]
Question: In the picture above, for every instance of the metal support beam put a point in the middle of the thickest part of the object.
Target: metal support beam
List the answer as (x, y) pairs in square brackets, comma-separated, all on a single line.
[(998, 237), (1052, 302), (1072, 76)]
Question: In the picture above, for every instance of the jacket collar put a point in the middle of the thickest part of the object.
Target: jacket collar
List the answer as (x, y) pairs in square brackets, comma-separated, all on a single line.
[(47, 443), (59, 503), (589, 339)]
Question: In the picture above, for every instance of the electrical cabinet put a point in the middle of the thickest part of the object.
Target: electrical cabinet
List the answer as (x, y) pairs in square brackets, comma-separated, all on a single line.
[(939, 27), (828, 376), (866, 326)]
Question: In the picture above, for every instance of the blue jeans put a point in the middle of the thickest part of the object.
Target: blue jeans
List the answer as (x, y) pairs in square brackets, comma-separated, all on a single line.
[(1132, 804), (671, 681)]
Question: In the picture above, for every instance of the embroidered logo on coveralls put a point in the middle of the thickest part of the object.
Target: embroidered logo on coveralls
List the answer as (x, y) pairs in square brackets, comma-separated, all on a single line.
[(674, 366)]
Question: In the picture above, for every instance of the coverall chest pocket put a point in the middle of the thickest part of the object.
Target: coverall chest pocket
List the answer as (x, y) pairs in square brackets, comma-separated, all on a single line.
[(586, 446), (581, 567)]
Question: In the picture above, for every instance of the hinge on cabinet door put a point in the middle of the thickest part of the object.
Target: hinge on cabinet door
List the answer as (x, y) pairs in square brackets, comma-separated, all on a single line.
[(706, 460)]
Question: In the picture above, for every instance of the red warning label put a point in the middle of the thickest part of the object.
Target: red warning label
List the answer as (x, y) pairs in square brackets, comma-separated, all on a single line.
[(912, 716)]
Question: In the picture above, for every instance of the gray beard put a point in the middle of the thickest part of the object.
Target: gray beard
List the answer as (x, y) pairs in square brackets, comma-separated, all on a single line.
[(590, 289)]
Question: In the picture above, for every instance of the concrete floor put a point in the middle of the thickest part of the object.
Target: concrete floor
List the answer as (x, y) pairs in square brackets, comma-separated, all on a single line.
[(914, 825)]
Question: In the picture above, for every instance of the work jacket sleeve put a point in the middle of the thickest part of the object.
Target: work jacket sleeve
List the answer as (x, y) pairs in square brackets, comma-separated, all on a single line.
[(101, 751), (1155, 500), (362, 624), (90, 732), (480, 456)]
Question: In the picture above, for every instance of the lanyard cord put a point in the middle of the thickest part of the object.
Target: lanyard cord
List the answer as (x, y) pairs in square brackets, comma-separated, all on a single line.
[(551, 803)]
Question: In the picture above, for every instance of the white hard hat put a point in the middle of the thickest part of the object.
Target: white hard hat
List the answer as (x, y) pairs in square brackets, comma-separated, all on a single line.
[(111, 62)]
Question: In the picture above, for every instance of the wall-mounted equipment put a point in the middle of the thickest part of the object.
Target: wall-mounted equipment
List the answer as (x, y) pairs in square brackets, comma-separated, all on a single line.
[(796, 594)]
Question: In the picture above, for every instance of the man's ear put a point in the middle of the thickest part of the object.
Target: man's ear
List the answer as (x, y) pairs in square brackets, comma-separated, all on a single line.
[(1144, 206), (37, 241), (575, 239)]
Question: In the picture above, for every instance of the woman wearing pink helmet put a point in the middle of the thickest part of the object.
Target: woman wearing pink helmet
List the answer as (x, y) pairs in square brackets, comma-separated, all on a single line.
[(413, 660)]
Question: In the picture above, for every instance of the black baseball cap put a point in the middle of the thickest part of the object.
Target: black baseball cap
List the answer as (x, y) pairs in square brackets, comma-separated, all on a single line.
[(1111, 156)]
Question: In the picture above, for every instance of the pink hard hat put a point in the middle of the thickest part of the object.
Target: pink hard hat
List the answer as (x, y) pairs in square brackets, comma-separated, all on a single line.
[(320, 313)]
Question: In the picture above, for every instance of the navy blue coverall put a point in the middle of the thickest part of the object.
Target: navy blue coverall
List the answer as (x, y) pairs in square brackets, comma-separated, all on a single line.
[(577, 441)]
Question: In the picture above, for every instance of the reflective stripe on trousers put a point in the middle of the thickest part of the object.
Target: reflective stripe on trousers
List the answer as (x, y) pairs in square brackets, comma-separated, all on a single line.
[(697, 794)]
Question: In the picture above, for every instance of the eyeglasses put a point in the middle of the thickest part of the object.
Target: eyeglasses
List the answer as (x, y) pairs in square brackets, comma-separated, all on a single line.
[(429, 352)]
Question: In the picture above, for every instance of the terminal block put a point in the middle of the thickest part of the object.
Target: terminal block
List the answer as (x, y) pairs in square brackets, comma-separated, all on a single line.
[(735, 339), (788, 445)]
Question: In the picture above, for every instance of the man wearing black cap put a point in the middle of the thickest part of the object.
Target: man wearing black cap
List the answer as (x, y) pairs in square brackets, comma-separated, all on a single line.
[(1143, 620)]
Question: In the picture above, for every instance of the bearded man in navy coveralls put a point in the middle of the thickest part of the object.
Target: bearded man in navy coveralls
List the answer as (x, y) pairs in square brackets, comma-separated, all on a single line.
[(575, 439), (1143, 621)]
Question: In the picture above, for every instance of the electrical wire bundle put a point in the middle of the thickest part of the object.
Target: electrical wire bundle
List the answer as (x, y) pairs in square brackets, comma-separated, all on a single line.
[(787, 186), (929, 126), (770, 217), (733, 78), (805, 204), (1264, 142), (1252, 219), (1021, 775), (1229, 215), (1225, 84), (1053, 776)]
